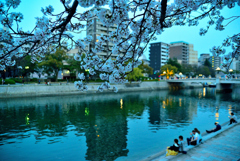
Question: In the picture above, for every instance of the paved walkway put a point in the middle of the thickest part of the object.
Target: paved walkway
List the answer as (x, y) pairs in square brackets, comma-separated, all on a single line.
[(225, 146)]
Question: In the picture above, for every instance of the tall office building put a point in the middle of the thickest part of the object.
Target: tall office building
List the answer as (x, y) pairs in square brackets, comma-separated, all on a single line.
[(159, 54), (95, 28), (193, 55), (215, 61), (179, 50), (203, 57)]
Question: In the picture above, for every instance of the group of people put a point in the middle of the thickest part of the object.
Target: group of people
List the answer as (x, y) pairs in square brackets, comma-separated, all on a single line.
[(195, 138), (48, 83)]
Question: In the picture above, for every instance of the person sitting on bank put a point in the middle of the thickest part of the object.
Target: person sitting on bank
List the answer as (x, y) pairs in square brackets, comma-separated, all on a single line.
[(200, 136), (194, 139), (233, 118), (173, 150), (181, 146), (218, 127)]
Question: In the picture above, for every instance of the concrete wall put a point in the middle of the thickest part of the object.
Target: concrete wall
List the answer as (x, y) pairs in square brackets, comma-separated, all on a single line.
[(43, 90)]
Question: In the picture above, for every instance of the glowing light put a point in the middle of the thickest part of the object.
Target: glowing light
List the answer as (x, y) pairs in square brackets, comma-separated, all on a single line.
[(164, 103), (229, 109), (204, 92), (121, 102), (27, 119), (180, 102), (98, 136), (217, 115), (86, 111)]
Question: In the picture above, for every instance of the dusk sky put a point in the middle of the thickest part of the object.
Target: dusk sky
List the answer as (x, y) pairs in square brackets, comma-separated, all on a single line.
[(202, 44)]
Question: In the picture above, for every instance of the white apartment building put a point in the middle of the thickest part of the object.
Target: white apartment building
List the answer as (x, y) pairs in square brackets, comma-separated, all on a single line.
[(96, 28)]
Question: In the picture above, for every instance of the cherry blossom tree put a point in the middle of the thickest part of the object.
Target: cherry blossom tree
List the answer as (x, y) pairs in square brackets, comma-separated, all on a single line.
[(138, 21)]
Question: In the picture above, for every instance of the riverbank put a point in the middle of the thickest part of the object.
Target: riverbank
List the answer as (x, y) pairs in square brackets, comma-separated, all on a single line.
[(216, 146), (9, 91)]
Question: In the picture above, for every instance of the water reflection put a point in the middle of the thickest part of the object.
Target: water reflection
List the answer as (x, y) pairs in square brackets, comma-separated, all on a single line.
[(107, 129)]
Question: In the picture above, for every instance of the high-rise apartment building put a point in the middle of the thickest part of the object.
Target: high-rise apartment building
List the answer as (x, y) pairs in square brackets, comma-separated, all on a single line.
[(96, 28), (158, 55), (215, 61), (179, 50), (193, 55)]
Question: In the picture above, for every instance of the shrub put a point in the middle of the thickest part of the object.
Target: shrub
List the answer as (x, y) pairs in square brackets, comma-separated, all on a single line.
[(9, 81), (17, 80), (34, 80)]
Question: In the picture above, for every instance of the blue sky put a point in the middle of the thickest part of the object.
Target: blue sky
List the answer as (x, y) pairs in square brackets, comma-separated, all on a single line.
[(32, 9)]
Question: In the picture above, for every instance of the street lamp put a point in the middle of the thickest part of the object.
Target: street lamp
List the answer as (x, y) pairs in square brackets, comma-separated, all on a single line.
[(164, 73), (231, 71), (87, 71), (27, 67), (218, 69)]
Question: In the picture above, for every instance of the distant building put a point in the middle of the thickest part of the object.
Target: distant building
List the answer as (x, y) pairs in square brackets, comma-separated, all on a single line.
[(203, 57), (158, 54), (75, 50), (144, 59), (179, 50), (146, 62), (215, 61), (193, 55), (96, 28), (238, 65), (235, 64)]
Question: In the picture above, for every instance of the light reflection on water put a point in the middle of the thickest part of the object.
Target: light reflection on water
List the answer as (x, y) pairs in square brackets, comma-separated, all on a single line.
[(123, 126)]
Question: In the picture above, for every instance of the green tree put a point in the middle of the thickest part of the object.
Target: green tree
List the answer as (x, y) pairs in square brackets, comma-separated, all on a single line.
[(145, 68), (54, 62), (203, 70), (189, 69), (134, 75), (168, 67), (207, 63), (74, 66), (174, 62), (27, 66)]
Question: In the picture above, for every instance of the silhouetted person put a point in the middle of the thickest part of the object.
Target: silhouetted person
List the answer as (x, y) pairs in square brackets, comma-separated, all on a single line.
[(233, 118), (218, 127)]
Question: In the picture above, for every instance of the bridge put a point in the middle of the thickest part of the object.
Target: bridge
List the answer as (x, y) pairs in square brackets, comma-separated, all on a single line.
[(222, 85)]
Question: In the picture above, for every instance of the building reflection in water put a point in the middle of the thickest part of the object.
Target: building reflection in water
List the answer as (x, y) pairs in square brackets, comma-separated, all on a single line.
[(106, 137), (171, 110)]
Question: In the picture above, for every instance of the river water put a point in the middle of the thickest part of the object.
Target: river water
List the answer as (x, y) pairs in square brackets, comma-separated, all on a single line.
[(122, 126)]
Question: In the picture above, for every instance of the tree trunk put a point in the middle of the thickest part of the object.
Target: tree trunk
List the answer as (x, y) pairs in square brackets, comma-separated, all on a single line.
[(56, 75)]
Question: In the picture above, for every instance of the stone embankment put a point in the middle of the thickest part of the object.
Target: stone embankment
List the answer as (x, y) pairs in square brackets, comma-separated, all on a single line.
[(221, 145), (7, 91)]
